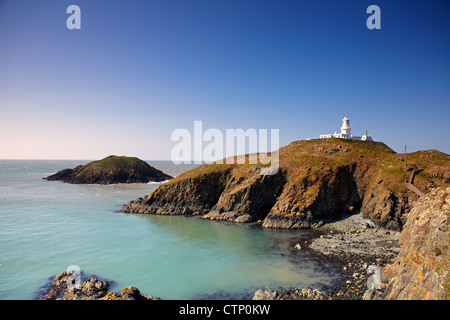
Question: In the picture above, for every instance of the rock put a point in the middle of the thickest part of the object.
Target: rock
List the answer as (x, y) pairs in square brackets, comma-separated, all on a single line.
[(90, 289), (243, 218), (291, 294), (421, 270), (372, 294), (369, 224), (193, 196), (311, 294), (130, 293), (267, 294), (298, 246)]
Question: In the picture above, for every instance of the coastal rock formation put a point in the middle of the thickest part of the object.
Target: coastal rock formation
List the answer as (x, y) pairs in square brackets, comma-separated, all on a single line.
[(191, 196), (89, 289), (247, 198), (317, 181), (421, 270), (290, 294), (112, 169)]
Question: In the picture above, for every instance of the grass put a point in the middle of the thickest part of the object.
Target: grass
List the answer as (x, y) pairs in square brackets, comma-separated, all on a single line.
[(119, 162)]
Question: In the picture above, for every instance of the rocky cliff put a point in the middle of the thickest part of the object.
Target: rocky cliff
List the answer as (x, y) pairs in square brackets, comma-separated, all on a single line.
[(317, 181), (112, 169), (421, 270)]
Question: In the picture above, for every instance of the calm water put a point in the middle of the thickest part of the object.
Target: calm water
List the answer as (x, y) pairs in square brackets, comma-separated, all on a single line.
[(45, 226)]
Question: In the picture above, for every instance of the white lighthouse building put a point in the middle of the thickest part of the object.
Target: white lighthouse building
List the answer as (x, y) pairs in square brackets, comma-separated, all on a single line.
[(346, 132), (345, 128)]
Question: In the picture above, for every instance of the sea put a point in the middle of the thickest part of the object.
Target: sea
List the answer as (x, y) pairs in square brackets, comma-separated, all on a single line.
[(47, 226)]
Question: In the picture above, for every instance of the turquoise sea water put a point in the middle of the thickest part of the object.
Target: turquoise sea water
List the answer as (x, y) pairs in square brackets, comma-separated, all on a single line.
[(45, 226)]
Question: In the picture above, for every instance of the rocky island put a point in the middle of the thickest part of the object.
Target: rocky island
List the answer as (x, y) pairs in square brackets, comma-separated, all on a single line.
[(317, 181), (112, 169)]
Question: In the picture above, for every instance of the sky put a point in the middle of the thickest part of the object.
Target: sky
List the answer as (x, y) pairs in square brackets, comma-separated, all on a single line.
[(138, 70)]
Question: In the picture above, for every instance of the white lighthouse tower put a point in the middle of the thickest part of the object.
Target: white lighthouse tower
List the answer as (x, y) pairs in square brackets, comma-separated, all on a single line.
[(346, 132), (345, 129)]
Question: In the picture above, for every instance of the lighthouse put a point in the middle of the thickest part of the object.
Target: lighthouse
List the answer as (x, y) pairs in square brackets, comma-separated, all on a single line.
[(346, 132), (345, 129)]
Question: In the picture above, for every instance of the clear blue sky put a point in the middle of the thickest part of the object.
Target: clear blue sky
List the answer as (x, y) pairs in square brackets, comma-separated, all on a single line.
[(137, 70)]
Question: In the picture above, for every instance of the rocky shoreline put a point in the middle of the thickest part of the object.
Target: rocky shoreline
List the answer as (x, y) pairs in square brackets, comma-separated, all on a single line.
[(351, 245), (411, 265)]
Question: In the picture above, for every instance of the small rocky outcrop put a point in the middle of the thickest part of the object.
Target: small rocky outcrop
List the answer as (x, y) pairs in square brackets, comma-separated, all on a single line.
[(290, 294), (421, 270), (130, 293), (317, 181), (110, 170), (89, 289)]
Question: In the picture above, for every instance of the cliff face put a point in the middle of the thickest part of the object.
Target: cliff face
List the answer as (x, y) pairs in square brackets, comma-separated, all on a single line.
[(190, 196), (315, 196), (317, 180), (112, 169), (422, 268), (247, 198)]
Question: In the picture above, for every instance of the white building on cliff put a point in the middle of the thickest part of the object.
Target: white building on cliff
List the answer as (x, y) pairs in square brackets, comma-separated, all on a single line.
[(346, 133)]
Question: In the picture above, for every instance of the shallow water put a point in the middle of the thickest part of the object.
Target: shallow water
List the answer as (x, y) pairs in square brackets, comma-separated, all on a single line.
[(45, 226)]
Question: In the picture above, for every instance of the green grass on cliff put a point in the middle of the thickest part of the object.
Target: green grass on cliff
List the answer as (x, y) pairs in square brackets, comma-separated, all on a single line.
[(118, 162)]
